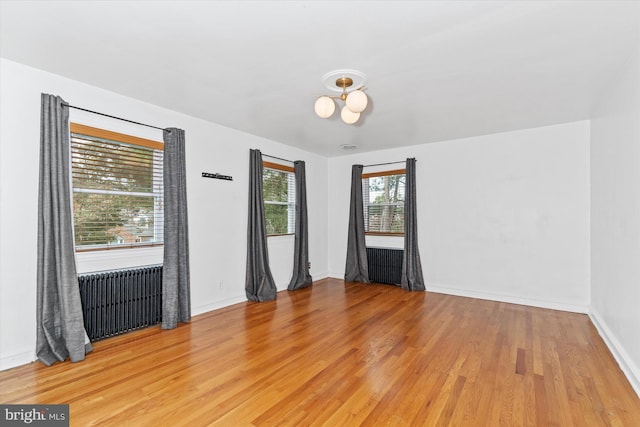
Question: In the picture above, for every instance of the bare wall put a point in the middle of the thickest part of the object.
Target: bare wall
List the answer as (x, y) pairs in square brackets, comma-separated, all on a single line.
[(502, 216), (615, 218)]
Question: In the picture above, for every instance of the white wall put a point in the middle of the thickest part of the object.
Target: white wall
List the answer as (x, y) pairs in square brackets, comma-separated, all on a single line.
[(502, 216), (217, 209), (615, 218)]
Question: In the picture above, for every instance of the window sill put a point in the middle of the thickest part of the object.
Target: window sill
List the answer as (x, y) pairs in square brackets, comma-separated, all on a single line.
[(105, 260), (385, 240), (117, 247)]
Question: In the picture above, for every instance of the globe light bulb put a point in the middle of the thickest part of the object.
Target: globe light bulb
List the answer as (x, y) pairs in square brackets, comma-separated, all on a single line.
[(357, 101), (325, 107), (348, 116)]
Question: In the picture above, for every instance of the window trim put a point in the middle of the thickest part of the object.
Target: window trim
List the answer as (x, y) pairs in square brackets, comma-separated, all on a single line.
[(115, 136), (277, 166), (384, 173), (95, 132), (375, 175), (119, 247)]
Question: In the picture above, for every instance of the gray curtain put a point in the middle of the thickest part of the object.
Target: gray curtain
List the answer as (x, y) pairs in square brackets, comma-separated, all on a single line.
[(259, 284), (176, 298), (60, 329), (301, 277), (411, 266), (357, 268)]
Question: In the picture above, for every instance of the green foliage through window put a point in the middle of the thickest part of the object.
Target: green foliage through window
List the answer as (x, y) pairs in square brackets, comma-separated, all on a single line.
[(117, 193), (279, 190), (383, 200)]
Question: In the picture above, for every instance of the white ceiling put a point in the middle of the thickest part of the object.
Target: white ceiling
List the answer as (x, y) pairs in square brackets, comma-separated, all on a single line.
[(436, 70)]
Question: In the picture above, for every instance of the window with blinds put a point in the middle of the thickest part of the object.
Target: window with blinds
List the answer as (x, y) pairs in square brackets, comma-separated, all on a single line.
[(117, 189), (279, 192), (383, 202)]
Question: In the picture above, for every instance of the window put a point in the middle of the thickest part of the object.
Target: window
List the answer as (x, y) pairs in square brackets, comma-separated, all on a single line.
[(279, 192), (383, 202), (117, 189)]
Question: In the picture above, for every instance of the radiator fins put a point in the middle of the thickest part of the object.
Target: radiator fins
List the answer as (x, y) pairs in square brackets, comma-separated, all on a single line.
[(385, 265), (116, 302)]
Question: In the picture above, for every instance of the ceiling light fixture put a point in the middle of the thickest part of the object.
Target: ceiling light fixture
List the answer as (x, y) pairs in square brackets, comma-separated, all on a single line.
[(355, 99)]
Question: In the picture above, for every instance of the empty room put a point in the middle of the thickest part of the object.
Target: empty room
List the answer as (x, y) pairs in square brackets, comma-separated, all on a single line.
[(292, 213)]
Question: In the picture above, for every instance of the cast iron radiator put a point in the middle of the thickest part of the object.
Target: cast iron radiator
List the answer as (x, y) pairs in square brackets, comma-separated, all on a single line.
[(385, 265), (115, 302)]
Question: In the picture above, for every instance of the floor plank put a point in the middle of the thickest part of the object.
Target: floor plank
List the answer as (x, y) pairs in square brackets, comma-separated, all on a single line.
[(345, 354)]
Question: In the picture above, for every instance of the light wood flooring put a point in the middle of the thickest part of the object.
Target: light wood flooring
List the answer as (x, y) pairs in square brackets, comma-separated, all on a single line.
[(345, 354)]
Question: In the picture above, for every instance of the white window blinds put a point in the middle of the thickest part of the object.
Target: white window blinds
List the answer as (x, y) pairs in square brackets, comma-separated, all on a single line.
[(117, 189), (383, 202), (279, 191)]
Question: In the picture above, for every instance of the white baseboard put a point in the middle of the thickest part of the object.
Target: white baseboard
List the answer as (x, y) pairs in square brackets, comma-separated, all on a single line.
[(316, 276), (15, 360), (443, 289), (320, 276), (201, 309), (554, 305), (628, 367), (242, 298)]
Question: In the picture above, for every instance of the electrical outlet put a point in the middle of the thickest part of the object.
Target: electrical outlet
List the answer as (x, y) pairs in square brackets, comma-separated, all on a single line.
[(309, 264), (219, 284)]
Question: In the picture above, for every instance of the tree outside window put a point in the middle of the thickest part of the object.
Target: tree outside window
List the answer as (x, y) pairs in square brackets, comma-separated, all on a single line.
[(383, 200), (279, 192), (117, 190)]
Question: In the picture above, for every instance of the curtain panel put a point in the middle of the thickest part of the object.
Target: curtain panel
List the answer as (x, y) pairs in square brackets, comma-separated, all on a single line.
[(411, 265), (176, 294), (301, 277), (357, 268), (259, 283), (60, 329)]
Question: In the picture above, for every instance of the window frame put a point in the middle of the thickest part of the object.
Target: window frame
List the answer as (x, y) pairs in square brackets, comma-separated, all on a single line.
[(94, 132), (366, 208), (287, 169)]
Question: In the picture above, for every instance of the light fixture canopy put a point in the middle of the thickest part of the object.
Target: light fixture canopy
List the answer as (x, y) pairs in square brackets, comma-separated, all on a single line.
[(355, 99)]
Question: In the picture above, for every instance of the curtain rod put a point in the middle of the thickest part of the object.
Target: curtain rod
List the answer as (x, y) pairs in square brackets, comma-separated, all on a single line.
[(279, 158), (113, 117), (388, 163)]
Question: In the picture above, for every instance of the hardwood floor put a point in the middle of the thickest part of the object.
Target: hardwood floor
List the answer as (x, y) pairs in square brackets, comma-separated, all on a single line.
[(345, 354)]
